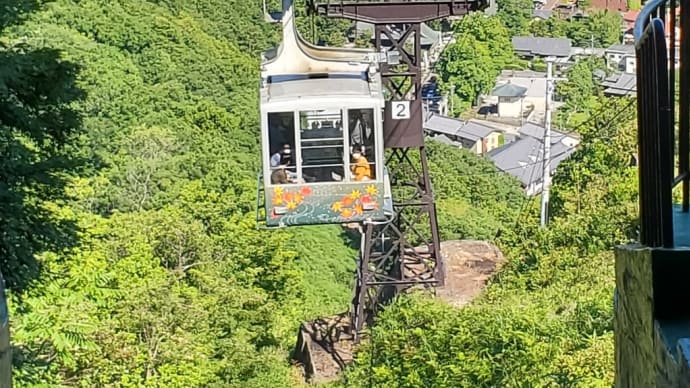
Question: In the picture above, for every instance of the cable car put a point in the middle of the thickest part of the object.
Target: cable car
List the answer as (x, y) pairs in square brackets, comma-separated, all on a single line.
[(321, 130)]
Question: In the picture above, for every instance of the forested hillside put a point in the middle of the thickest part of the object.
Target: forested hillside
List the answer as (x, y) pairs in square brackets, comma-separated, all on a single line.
[(129, 136), (129, 243), (546, 319)]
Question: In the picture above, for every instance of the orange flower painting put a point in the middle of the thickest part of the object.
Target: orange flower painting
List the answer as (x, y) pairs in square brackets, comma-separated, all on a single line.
[(285, 201), (356, 203)]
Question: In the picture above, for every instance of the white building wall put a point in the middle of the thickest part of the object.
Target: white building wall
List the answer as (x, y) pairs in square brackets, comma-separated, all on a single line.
[(508, 108)]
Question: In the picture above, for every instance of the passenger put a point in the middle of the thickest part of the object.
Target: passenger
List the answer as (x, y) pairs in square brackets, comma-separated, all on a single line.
[(278, 156), (281, 175), (360, 169)]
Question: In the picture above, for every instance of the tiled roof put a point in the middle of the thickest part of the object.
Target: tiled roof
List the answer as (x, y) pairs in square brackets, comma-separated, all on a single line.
[(523, 158), (559, 47)]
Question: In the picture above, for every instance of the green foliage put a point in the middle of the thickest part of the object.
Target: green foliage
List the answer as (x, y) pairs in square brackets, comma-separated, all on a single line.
[(584, 4), (168, 282), (600, 29), (553, 27), (516, 15), (481, 50), (129, 237), (538, 64), (38, 129), (581, 86), (596, 188), (603, 26), (634, 5), (464, 183), (546, 319)]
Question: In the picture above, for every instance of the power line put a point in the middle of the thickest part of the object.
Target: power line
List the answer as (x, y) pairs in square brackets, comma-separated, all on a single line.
[(592, 118), (606, 125), (511, 168)]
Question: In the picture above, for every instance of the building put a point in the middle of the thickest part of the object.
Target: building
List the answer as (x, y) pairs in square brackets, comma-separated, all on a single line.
[(628, 26), (473, 136), (541, 14), (620, 84), (530, 47), (523, 158), (621, 57), (510, 99), (534, 99), (577, 53)]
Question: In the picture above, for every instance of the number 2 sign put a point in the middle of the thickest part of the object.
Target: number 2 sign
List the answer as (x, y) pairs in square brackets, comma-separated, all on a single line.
[(400, 110)]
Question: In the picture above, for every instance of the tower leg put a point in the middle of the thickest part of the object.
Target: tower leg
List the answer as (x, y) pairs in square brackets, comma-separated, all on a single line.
[(405, 251)]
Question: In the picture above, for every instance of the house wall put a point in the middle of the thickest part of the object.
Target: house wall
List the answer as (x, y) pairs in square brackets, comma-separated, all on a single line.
[(509, 107), (535, 95), (492, 141), (484, 145), (539, 103), (630, 64), (613, 59), (621, 62), (476, 148)]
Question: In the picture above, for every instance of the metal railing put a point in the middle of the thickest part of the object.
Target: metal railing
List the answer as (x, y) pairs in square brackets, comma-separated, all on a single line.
[(657, 56)]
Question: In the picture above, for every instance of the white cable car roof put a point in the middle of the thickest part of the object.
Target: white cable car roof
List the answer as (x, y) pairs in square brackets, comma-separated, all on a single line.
[(296, 56)]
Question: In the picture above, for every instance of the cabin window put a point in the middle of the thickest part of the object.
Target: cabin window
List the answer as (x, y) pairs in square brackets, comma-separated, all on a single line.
[(362, 144), (322, 146), (281, 140)]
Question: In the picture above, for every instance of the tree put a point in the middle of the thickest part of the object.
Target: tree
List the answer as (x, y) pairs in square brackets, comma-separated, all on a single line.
[(605, 27), (467, 64), (580, 86), (634, 5), (491, 32), (553, 27), (546, 319), (600, 29), (472, 63), (166, 281), (39, 130), (516, 14)]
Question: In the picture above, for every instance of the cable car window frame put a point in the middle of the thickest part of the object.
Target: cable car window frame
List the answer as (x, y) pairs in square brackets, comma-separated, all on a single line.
[(372, 162), (324, 104), (336, 114)]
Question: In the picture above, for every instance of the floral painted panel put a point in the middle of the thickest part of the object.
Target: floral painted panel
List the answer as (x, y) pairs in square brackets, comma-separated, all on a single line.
[(304, 204)]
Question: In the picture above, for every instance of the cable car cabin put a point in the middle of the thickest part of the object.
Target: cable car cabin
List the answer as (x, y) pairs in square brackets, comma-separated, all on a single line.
[(322, 150), (322, 141)]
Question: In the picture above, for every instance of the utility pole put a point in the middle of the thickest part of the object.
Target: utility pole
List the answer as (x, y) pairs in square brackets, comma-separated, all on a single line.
[(546, 160)]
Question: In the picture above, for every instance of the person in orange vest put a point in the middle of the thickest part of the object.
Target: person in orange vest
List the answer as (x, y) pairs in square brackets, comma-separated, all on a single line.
[(361, 170)]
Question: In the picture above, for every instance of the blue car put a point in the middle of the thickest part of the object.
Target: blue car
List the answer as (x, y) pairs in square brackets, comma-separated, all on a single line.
[(430, 92)]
